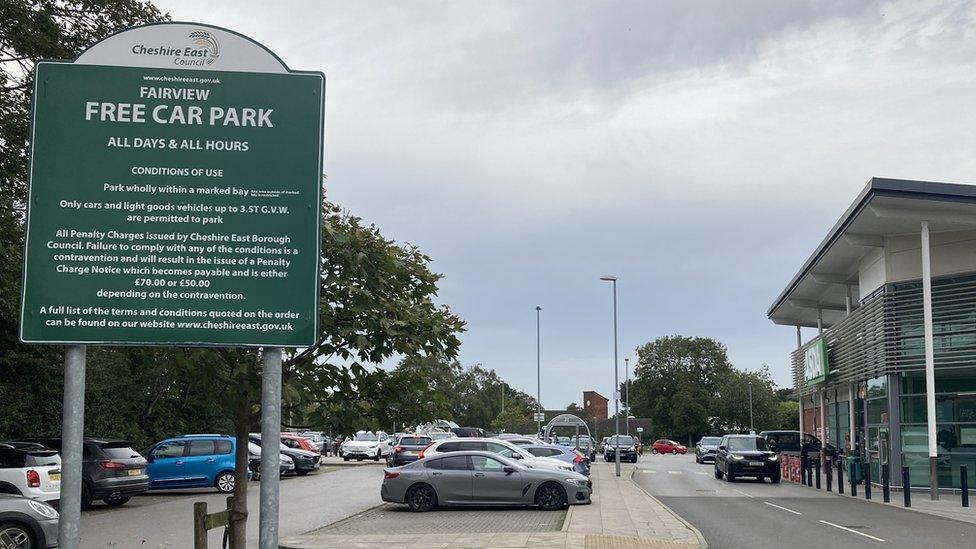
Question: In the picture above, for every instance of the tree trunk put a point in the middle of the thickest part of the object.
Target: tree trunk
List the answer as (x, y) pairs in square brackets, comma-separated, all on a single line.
[(238, 514)]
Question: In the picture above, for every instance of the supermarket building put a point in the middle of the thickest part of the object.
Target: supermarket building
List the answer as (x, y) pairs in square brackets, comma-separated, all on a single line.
[(891, 295)]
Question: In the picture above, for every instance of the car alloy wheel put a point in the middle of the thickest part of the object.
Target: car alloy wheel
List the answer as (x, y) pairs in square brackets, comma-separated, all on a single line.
[(15, 536), (674, 452), (653, 450), (550, 496), (421, 498), (225, 482)]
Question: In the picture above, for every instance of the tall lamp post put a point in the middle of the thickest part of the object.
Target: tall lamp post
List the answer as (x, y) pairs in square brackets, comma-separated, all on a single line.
[(616, 382), (538, 365), (627, 393), (752, 425)]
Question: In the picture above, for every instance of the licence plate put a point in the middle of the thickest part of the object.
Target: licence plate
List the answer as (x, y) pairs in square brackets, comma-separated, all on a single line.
[(135, 472), (54, 477), (410, 453), (756, 463)]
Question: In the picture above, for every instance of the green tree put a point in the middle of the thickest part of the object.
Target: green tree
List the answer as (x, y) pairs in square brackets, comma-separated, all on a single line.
[(511, 420), (731, 410)]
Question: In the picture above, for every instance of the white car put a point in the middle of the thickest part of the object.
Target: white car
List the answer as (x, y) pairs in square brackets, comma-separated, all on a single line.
[(500, 447), (30, 470), (366, 445)]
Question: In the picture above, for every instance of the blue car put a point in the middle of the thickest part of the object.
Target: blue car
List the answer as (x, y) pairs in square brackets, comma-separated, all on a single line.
[(192, 461), (562, 453)]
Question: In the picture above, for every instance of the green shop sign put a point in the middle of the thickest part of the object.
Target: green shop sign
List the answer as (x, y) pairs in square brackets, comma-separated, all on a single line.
[(815, 366), (175, 194)]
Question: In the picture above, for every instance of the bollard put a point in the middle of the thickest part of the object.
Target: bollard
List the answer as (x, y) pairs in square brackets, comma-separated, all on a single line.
[(816, 466), (809, 473), (853, 481), (964, 484), (830, 475), (885, 483), (907, 487), (840, 477), (867, 481)]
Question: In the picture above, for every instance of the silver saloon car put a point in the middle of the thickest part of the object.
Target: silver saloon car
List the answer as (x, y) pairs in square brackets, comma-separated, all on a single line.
[(481, 478)]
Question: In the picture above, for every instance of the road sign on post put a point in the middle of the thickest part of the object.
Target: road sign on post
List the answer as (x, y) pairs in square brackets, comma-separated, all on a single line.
[(640, 429), (174, 199), (173, 203)]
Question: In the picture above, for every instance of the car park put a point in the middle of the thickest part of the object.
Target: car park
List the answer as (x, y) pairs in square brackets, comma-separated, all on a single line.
[(30, 470), (192, 461), (481, 478), (746, 455), (705, 449), (367, 445), (562, 453), (305, 462), (501, 447), (623, 444), (407, 449), (26, 523), (667, 446), (111, 470), (285, 463)]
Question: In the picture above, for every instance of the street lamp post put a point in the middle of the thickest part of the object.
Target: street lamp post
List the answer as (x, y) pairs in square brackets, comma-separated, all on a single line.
[(538, 366), (752, 425), (627, 393), (616, 382)]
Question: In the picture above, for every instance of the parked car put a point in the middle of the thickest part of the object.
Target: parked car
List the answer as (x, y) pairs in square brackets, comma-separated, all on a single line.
[(407, 449), (602, 447), (789, 441), (705, 449), (192, 461), (317, 438), (622, 443), (523, 441), (30, 470), (297, 442), (305, 462), (562, 453), (500, 447), (440, 435), (666, 446), (367, 445), (468, 431), (111, 470), (481, 478), (26, 523), (285, 463), (746, 455), (587, 446)]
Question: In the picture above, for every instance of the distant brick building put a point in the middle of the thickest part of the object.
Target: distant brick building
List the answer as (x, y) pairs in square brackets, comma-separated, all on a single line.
[(595, 405)]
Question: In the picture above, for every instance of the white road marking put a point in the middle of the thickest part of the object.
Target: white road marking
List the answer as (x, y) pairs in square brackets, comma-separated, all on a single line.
[(851, 531), (674, 472), (743, 493), (703, 472), (648, 471), (783, 508)]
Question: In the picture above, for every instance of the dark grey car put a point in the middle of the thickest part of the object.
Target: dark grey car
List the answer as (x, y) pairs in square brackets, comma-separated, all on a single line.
[(27, 524), (705, 449), (481, 478)]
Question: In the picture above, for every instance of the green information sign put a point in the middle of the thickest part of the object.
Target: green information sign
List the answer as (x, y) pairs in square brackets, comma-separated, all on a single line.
[(815, 365), (176, 202)]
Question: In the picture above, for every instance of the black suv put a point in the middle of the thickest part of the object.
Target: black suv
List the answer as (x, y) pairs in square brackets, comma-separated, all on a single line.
[(746, 455), (110, 469), (622, 443)]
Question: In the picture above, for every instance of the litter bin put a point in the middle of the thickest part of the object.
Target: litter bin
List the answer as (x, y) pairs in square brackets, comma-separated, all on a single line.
[(854, 472)]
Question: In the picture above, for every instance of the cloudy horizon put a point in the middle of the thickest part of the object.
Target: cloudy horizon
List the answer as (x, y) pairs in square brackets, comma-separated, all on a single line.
[(698, 151)]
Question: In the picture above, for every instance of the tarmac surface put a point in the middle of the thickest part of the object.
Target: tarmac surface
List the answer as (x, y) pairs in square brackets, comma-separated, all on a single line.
[(749, 514)]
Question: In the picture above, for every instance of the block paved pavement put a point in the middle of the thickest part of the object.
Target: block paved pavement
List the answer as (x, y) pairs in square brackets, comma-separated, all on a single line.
[(622, 516)]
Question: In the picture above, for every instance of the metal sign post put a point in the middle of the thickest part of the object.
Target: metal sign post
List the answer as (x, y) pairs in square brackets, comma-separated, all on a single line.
[(72, 433), (174, 199)]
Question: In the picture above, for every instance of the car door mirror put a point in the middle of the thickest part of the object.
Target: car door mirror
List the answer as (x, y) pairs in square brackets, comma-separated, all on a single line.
[(516, 456), (150, 458), (722, 448), (508, 469)]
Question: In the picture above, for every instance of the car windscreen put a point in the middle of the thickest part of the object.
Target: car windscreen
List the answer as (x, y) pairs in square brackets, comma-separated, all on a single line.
[(749, 444), (414, 441), (710, 441), (367, 437), (41, 459), (621, 441), (119, 452)]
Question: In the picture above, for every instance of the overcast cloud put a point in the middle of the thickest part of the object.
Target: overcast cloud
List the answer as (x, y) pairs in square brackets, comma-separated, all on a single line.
[(697, 150)]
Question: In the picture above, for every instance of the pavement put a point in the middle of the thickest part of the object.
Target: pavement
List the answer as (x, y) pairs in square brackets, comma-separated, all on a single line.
[(749, 514), (165, 518), (621, 516)]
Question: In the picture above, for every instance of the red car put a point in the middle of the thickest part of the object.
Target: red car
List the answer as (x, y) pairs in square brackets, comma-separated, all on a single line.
[(665, 446), (298, 443)]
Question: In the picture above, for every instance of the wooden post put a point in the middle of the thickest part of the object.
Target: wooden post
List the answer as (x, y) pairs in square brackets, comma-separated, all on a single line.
[(199, 525)]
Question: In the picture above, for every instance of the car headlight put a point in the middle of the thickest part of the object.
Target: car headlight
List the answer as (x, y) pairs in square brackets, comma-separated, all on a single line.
[(43, 509), (577, 481), (773, 457), (736, 457)]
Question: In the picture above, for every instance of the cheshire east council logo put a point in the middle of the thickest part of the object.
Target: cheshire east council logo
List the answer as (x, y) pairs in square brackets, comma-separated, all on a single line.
[(206, 40)]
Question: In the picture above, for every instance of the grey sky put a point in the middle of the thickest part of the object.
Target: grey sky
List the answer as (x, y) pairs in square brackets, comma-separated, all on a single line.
[(697, 150)]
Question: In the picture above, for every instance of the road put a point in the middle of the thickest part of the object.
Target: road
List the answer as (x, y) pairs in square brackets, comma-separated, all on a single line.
[(165, 519), (750, 514)]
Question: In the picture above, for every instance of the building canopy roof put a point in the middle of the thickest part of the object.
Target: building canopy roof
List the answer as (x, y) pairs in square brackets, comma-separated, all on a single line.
[(886, 207)]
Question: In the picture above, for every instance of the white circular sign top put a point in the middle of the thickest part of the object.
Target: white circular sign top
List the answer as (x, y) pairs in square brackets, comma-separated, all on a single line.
[(192, 46)]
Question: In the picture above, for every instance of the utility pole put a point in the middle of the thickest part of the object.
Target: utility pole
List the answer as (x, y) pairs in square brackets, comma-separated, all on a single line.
[(752, 426), (627, 393), (538, 365), (616, 381)]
